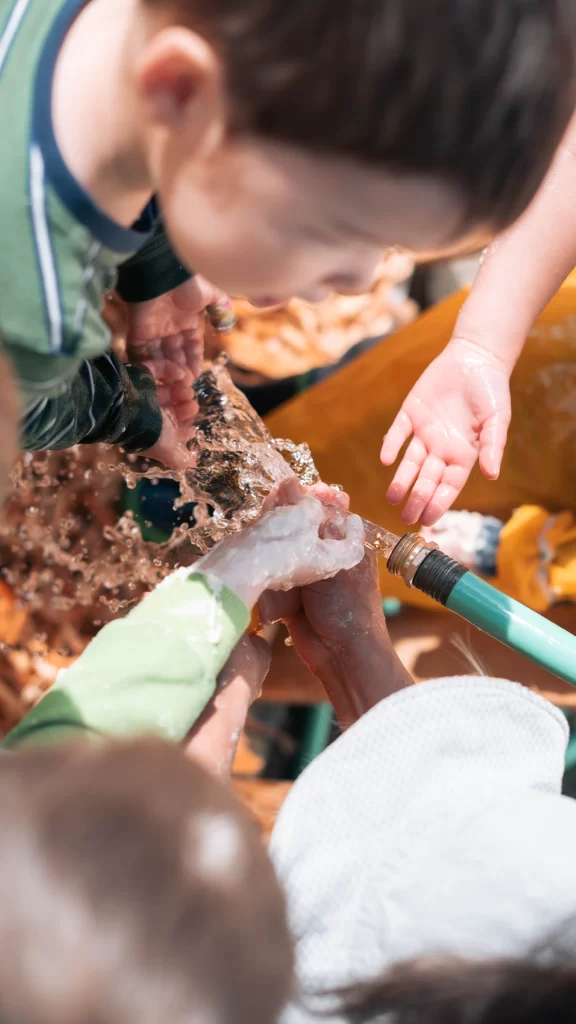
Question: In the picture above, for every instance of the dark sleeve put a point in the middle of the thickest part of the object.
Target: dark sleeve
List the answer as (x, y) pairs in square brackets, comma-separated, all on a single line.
[(153, 271), (105, 401)]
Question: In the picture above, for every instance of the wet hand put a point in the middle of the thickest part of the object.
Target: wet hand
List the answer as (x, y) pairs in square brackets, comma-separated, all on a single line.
[(167, 335), (171, 327), (329, 617), (170, 448), (458, 411), (338, 628), (296, 541)]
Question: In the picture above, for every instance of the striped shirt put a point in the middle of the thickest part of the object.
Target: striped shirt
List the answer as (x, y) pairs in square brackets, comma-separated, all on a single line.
[(61, 254)]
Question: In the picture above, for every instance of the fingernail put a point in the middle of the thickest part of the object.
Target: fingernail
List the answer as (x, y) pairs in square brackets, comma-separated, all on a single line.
[(221, 315)]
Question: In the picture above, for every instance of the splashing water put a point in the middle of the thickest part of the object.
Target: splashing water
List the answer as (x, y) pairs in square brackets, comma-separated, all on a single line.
[(74, 560)]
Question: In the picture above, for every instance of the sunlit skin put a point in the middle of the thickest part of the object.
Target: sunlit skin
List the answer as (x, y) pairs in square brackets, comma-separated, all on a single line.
[(459, 410)]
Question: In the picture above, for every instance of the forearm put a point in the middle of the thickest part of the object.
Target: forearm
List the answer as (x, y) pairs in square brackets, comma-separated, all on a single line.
[(218, 730), (524, 268), (359, 675), (99, 400), (151, 672)]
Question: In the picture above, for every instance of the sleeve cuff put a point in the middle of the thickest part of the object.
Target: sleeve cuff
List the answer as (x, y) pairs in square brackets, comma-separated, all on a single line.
[(152, 272)]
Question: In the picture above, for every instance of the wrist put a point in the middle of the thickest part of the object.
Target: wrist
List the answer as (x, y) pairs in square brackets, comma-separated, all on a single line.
[(501, 339), (489, 349), (231, 568)]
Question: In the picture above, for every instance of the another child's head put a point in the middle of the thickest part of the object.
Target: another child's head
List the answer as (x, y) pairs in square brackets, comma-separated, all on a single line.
[(291, 140), (133, 891)]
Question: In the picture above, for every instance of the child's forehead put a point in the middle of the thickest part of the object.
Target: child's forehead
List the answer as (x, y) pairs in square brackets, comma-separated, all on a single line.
[(358, 199)]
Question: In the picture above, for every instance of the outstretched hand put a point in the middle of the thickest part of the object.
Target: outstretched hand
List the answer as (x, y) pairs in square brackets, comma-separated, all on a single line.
[(457, 411)]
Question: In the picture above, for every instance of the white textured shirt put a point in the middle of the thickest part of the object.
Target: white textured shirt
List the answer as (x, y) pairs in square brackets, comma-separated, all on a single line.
[(435, 825)]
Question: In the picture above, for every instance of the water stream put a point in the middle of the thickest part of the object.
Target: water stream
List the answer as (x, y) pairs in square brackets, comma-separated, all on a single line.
[(74, 559)]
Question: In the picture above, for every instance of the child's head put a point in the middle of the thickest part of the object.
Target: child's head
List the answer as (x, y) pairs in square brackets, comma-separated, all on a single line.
[(290, 140), (133, 891)]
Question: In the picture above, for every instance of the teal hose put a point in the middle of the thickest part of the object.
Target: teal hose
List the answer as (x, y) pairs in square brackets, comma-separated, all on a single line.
[(316, 735), (515, 625)]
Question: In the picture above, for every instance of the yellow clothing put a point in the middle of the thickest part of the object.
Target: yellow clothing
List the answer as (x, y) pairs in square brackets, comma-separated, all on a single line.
[(345, 418)]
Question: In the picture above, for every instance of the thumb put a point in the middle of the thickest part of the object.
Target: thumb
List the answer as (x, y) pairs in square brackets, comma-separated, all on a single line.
[(492, 443), (218, 306)]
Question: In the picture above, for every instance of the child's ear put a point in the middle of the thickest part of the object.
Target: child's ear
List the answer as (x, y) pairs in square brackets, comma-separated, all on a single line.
[(179, 81)]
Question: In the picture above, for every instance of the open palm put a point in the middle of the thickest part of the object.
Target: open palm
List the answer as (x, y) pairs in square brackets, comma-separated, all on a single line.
[(457, 411)]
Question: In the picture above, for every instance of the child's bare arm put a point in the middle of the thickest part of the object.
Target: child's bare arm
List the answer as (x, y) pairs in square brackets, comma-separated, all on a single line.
[(459, 409), (524, 268)]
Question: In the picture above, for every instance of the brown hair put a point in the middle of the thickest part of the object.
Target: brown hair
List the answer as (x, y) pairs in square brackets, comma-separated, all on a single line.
[(475, 92), (133, 890), (460, 992)]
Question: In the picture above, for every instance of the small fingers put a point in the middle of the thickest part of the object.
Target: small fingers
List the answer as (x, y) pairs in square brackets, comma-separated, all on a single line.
[(407, 471), (289, 492), (424, 489), (168, 372), (193, 347), (397, 436), (185, 412), (172, 349), (330, 495), (181, 391), (449, 488)]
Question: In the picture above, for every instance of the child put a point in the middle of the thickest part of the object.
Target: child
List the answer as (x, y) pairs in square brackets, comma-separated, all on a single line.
[(134, 890), (459, 409), (428, 854), (156, 669), (286, 145)]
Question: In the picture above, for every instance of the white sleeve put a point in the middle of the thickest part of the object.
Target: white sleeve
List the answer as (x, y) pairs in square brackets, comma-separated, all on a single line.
[(349, 827)]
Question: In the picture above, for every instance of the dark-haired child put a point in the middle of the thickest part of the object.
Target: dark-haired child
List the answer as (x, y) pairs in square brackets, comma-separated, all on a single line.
[(285, 146)]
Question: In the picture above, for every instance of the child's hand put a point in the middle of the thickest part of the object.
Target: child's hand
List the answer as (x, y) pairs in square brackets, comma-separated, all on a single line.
[(167, 336), (295, 542), (170, 448), (458, 410), (171, 327)]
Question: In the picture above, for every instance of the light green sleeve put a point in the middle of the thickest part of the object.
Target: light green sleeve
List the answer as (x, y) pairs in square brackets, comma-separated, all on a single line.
[(152, 672)]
